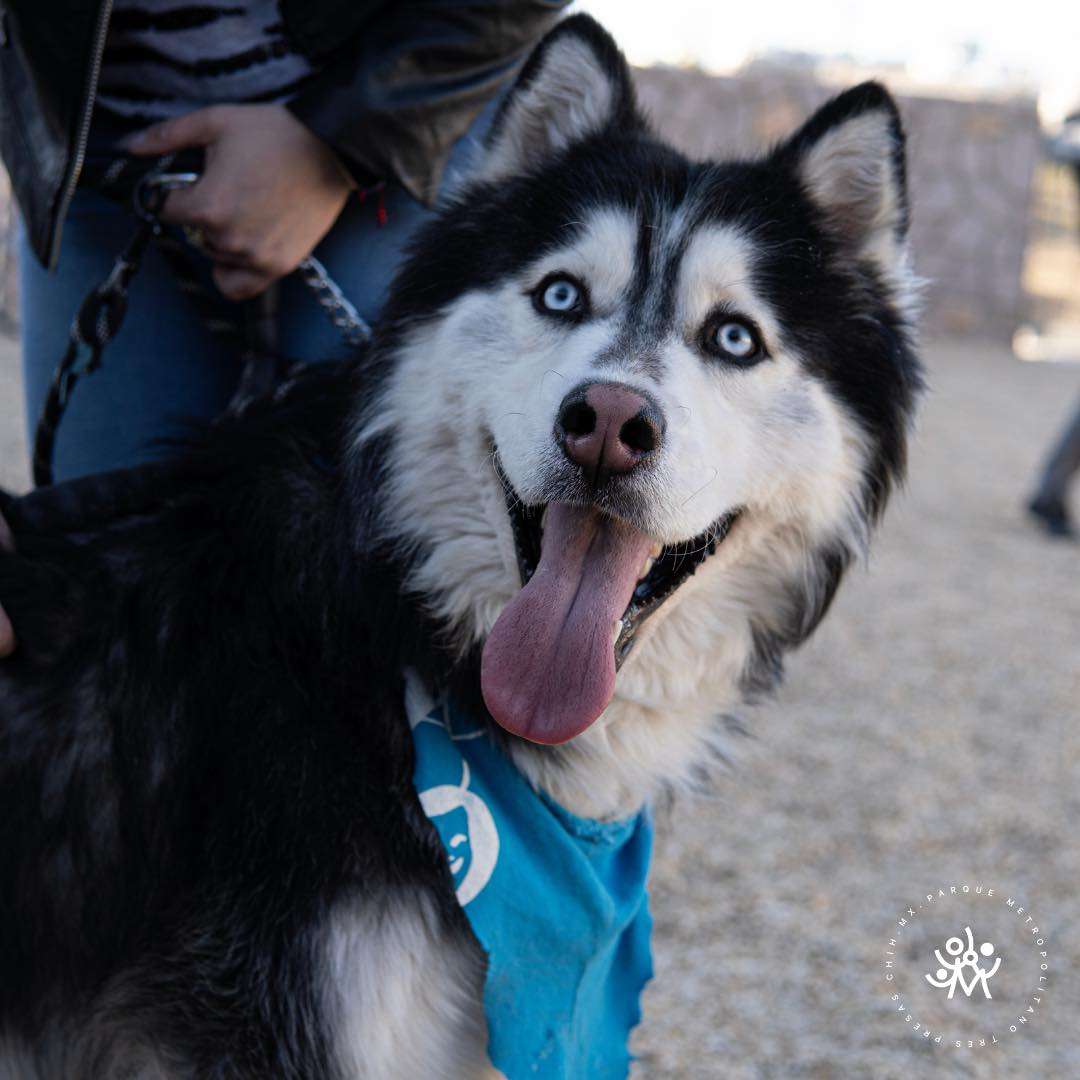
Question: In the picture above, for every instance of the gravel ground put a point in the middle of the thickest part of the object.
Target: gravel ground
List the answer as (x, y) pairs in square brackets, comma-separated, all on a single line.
[(926, 737)]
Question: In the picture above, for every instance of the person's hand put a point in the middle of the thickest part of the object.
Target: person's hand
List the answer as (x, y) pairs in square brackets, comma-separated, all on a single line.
[(7, 634), (269, 192)]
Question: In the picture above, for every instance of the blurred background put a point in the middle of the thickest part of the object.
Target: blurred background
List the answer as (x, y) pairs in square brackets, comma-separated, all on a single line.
[(928, 735), (984, 89)]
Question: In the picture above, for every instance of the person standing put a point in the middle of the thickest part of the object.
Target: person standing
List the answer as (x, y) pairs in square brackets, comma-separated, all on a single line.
[(298, 107), (1049, 505)]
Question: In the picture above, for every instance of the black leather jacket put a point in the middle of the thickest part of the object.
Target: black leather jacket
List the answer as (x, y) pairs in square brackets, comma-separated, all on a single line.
[(400, 83)]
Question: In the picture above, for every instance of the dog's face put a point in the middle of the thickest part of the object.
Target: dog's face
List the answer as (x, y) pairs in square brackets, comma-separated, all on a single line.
[(607, 358)]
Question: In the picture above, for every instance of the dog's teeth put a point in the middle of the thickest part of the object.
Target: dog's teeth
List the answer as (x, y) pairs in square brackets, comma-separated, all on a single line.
[(616, 630), (654, 551), (647, 566)]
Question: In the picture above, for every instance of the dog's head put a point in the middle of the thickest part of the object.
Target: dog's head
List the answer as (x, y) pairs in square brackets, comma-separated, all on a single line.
[(642, 410)]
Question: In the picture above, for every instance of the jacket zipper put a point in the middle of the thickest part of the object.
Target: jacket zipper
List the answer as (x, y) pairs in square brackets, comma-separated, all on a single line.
[(67, 192)]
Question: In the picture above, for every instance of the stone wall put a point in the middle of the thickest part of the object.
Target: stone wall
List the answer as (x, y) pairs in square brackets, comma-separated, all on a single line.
[(971, 172), (971, 178)]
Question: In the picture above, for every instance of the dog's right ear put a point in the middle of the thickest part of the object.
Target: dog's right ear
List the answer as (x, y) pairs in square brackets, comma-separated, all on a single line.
[(575, 84), (849, 158)]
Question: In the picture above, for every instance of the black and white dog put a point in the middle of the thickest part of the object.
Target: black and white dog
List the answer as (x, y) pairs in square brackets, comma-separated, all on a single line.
[(627, 419)]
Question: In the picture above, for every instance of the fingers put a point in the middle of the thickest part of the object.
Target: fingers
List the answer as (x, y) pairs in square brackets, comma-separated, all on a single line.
[(199, 128), (249, 211), (7, 634), (194, 206), (241, 283), (243, 265), (226, 258), (208, 221)]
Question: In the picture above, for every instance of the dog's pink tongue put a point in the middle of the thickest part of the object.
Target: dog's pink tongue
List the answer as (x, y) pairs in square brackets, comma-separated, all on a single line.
[(548, 669)]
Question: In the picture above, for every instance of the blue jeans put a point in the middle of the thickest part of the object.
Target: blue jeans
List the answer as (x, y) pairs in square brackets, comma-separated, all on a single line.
[(164, 367)]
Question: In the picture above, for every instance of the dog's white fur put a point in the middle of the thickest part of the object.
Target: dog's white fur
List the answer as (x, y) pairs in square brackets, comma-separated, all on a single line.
[(770, 439), (404, 1005)]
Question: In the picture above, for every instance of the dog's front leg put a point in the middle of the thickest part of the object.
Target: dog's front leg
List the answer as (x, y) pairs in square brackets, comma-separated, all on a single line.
[(404, 994)]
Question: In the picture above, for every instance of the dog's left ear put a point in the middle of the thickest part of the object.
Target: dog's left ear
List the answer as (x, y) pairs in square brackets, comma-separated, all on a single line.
[(575, 84), (849, 159)]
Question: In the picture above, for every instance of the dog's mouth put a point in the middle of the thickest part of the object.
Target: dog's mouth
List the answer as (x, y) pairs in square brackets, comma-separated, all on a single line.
[(589, 583)]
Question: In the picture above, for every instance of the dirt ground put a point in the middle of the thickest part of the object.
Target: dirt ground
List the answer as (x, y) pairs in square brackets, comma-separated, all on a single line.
[(927, 737)]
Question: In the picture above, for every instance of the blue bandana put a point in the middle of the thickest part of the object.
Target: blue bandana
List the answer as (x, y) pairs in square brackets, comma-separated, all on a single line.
[(557, 901)]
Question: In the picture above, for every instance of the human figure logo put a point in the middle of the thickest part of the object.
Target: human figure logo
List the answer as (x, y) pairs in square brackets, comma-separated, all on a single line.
[(963, 966), (938, 970)]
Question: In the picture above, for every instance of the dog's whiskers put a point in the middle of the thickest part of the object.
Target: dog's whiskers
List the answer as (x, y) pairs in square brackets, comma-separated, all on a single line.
[(716, 473), (710, 536)]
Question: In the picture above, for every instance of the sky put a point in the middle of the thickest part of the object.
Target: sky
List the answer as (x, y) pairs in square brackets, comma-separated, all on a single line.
[(973, 42)]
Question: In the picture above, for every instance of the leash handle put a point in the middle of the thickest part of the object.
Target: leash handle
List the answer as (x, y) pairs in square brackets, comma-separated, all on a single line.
[(149, 197)]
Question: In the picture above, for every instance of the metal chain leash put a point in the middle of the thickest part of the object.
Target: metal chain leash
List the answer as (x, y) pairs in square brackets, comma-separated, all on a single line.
[(97, 322), (102, 312), (327, 293), (334, 302)]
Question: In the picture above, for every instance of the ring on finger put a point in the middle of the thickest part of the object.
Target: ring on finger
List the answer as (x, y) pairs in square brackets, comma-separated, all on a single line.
[(196, 237)]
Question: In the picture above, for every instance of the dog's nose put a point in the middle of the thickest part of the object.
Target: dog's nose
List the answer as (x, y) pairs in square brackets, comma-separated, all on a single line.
[(609, 427)]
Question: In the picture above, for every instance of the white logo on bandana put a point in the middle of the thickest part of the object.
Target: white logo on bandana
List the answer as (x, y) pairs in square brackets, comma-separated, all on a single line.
[(481, 839), (474, 852)]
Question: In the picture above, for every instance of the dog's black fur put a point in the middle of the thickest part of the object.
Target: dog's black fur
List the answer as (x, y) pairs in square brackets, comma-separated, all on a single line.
[(202, 748), (202, 738)]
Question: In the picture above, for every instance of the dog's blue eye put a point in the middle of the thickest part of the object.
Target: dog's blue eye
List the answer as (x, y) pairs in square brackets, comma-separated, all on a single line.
[(737, 340), (561, 296)]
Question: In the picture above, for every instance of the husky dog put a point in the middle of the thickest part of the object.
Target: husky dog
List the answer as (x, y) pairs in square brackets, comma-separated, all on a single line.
[(627, 419)]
